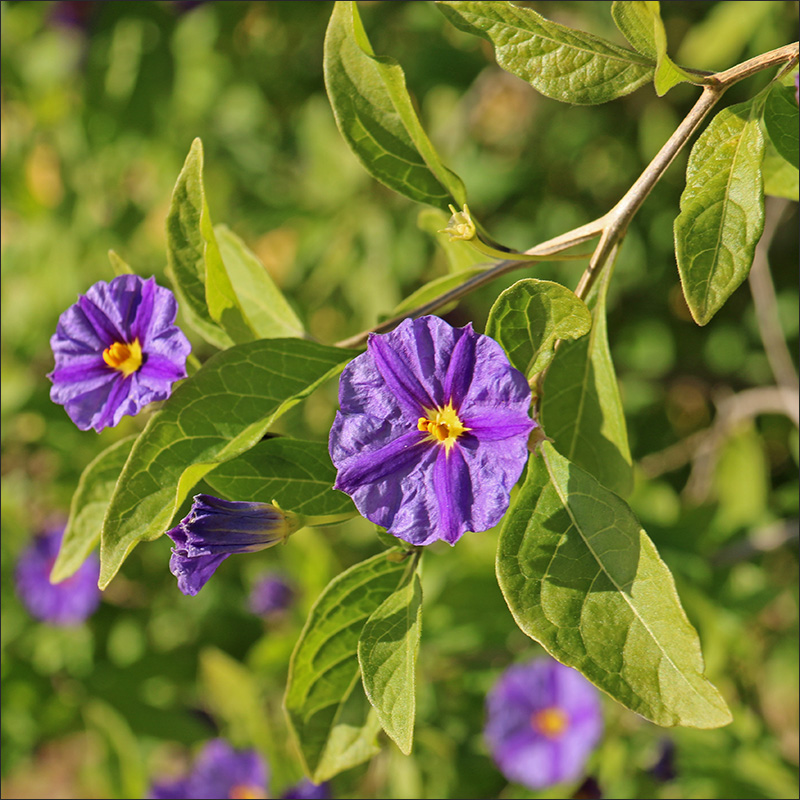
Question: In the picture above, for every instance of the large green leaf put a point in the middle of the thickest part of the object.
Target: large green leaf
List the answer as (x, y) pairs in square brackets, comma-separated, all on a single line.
[(268, 313), (722, 210), (643, 27), (782, 123), (194, 262), (323, 672), (387, 654), (221, 411), (88, 507), (530, 316), (376, 117), (562, 63), (581, 407), (299, 475), (581, 576)]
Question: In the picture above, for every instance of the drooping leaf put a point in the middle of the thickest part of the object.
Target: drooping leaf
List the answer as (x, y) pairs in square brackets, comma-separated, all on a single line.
[(387, 654), (267, 310), (221, 411), (297, 474), (581, 407), (88, 507), (581, 576), (530, 316), (562, 63), (194, 262), (643, 27), (376, 117), (782, 122), (323, 672), (722, 210)]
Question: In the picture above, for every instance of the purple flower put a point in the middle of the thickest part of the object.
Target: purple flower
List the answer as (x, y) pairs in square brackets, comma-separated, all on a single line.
[(543, 721), (214, 529), (432, 431), (270, 595), (218, 772), (116, 350), (67, 603), (305, 790)]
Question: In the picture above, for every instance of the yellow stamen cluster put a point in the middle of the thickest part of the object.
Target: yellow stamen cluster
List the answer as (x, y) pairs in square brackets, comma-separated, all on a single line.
[(442, 425), (244, 792), (551, 722), (127, 358)]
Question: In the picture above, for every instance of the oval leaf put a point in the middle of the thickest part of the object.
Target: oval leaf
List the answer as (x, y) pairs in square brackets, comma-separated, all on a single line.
[(581, 408), (530, 316), (88, 507), (221, 411), (562, 63), (323, 671), (781, 179), (782, 123), (722, 210), (387, 654), (298, 475), (376, 117), (582, 578)]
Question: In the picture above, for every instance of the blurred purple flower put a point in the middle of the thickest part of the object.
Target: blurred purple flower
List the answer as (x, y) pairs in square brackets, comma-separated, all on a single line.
[(306, 790), (543, 721), (270, 595), (67, 603), (71, 13), (215, 529), (116, 350), (664, 768), (797, 88), (432, 431), (219, 773)]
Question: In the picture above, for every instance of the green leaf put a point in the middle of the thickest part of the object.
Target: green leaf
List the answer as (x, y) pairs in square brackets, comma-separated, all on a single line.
[(782, 122), (436, 287), (299, 475), (722, 210), (267, 310), (323, 671), (562, 63), (460, 255), (387, 654), (221, 411), (641, 24), (88, 507), (376, 117), (581, 407), (118, 264), (194, 262), (530, 316), (781, 179), (582, 578)]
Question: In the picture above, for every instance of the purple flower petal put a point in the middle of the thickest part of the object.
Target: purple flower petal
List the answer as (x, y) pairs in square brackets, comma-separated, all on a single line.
[(306, 790), (271, 595), (126, 311), (432, 429)]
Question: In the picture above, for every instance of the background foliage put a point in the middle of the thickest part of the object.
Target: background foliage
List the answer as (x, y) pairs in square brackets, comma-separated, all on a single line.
[(97, 119)]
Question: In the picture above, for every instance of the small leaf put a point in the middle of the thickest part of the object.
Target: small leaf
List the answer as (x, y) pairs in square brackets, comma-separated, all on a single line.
[(267, 310), (194, 263), (387, 654), (781, 179), (722, 210), (643, 27), (581, 407), (530, 316), (582, 578), (88, 507), (118, 264), (782, 122), (221, 411), (562, 63), (323, 671), (298, 475), (376, 117)]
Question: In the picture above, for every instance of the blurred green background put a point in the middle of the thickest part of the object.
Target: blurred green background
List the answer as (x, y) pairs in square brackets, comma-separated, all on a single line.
[(100, 103)]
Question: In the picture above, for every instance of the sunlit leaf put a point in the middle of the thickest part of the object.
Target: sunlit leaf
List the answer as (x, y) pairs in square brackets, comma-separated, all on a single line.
[(581, 576)]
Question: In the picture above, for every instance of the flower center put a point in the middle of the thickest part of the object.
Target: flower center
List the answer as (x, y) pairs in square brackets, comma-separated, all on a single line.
[(243, 791), (551, 722), (442, 425), (127, 358)]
